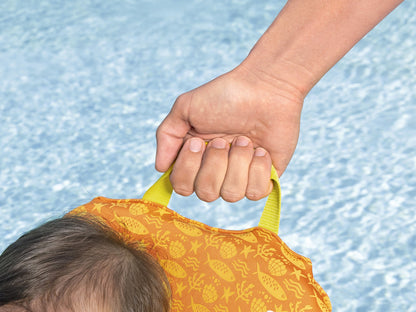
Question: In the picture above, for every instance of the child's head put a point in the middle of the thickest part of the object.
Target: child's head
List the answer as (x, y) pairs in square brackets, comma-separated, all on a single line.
[(76, 264)]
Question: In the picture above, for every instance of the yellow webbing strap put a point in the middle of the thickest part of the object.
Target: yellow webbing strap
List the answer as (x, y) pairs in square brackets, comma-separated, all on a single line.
[(161, 192), (270, 217)]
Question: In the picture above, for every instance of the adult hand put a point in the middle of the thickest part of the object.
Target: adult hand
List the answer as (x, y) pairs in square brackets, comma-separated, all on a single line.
[(241, 103), (262, 98)]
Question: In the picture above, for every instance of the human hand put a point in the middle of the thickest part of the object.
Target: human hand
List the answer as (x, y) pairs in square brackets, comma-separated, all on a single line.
[(220, 169), (239, 103)]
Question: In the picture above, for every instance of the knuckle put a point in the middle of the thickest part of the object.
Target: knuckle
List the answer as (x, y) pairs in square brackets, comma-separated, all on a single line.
[(159, 131), (260, 165), (181, 187), (184, 97), (182, 190), (206, 195), (255, 195), (162, 131), (231, 195)]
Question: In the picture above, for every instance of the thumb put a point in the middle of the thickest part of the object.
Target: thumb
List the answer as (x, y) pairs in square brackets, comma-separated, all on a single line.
[(169, 139), (280, 160)]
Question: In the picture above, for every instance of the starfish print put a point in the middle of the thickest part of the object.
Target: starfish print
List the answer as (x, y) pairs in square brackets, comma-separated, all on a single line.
[(161, 211), (195, 246), (247, 250), (227, 294), (180, 288), (297, 273), (97, 207)]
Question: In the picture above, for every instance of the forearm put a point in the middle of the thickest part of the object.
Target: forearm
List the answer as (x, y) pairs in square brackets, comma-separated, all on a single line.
[(309, 36)]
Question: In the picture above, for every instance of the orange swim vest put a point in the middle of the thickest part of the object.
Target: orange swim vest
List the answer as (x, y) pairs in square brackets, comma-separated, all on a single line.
[(211, 269)]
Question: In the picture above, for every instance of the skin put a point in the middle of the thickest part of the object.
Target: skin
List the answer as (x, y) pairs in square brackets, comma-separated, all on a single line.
[(232, 171), (261, 100)]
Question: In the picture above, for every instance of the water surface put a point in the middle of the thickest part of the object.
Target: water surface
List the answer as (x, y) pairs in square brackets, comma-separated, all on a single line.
[(84, 84)]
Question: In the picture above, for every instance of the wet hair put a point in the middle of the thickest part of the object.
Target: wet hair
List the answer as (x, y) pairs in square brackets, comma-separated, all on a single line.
[(78, 264)]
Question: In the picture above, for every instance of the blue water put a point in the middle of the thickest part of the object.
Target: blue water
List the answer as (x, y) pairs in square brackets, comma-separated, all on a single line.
[(84, 84)]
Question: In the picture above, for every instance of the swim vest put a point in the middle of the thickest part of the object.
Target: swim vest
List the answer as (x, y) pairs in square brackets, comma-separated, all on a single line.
[(211, 269)]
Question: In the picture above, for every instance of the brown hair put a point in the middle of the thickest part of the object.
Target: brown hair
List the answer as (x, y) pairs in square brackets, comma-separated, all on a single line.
[(79, 264)]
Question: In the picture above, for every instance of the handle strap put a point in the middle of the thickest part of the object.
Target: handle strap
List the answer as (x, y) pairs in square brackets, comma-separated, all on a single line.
[(270, 217), (161, 192)]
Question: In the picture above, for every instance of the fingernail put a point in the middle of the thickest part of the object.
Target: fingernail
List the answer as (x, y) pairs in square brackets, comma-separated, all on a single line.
[(242, 141), (195, 145), (259, 152), (220, 143)]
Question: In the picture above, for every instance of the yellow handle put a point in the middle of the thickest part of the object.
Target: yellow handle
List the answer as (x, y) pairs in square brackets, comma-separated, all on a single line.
[(161, 192), (270, 217)]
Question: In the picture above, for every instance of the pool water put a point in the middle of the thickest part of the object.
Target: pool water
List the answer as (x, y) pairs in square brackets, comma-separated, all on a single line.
[(84, 85)]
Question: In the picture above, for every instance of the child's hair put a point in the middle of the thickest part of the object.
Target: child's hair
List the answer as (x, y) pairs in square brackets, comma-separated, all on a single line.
[(78, 264)]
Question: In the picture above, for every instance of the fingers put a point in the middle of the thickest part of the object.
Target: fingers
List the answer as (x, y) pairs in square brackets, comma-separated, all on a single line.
[(213, 170), (220, 170), (187, 166), (171, 133), (236, 178), (259, 183)]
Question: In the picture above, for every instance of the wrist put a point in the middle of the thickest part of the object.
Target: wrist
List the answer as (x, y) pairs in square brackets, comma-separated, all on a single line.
[(308, 37), (283, 73), (291, 50)]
